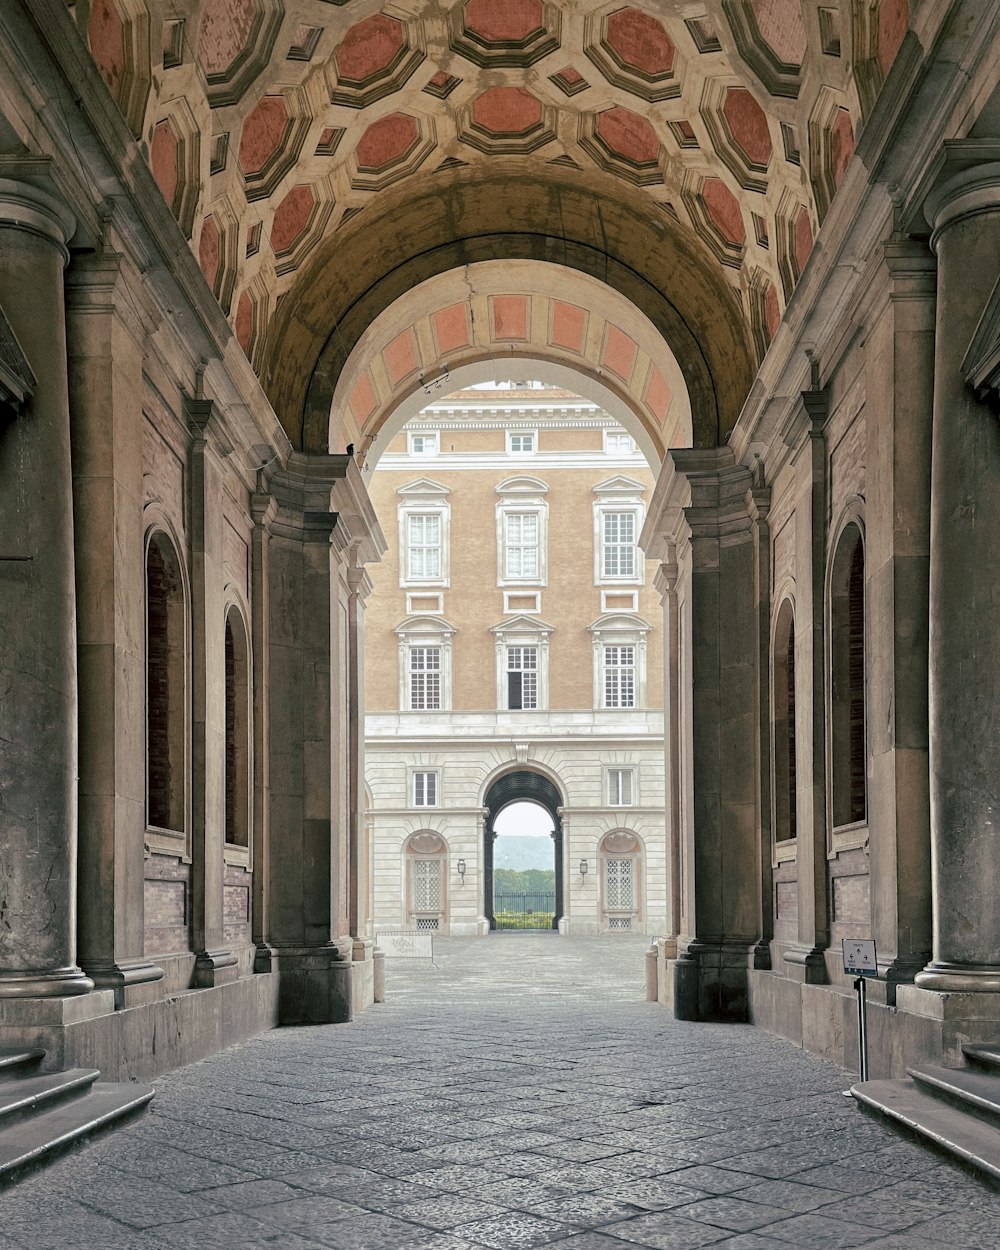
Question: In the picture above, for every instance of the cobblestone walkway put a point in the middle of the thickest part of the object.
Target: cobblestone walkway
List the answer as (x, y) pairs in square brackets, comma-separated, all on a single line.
[(519, 1095)]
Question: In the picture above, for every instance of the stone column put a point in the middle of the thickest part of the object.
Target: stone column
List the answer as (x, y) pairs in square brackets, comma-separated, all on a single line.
[(38, 661), (898, 525), (964, 645), (719, 822), (105, 341), (666, 585), (214, 964)]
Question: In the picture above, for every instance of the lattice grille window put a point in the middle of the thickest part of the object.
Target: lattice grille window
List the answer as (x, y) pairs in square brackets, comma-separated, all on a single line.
[(425, 679), (427, 924), (619, 885), (426, 886), (619, 544), (620, 922), (522, 677)]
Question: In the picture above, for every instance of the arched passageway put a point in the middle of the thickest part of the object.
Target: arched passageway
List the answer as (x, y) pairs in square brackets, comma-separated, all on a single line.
[(514, 787)]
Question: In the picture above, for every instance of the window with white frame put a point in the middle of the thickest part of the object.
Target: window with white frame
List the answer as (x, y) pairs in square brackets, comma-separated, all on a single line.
[(618, 513), (424, 663), (522, 647), (521, 443), (424, 520), (620, 787), (423, 546), (520, 548), (425, 679), (522, 524), (619, 676), (618, 551), (522, 677), (426, 443), (618, 443), (425, 789), (619, 660)]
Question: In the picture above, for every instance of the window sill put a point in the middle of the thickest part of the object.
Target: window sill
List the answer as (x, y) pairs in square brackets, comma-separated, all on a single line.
[(238, 856), (785, 852), (848, 838)]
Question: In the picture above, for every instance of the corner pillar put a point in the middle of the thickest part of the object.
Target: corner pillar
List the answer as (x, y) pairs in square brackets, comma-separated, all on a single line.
[(105, 342), (666, 585)]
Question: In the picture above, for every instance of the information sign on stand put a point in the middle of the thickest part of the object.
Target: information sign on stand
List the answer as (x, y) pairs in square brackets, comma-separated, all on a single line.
[(860, 959)]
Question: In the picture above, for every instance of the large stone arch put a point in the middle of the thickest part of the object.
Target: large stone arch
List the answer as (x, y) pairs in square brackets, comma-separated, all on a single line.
[(461, 217), (522, 785), (486, 320)]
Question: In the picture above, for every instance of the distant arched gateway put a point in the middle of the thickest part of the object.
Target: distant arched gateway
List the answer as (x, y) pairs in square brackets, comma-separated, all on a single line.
[(519, 787)]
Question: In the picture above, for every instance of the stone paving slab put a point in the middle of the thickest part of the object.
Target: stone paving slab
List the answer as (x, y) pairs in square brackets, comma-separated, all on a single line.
[(521, 1094)]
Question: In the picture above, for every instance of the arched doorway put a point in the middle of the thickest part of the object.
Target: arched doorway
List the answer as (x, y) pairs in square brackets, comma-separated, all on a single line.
[(513, 787)]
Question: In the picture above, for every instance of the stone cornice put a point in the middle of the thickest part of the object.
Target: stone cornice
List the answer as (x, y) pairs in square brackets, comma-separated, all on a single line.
[(17, 382)]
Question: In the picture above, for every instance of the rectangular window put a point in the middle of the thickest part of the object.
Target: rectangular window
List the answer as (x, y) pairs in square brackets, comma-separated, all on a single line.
[(619, 676), (617, 443), (521, 544), (423, 545), (619, 544), (424, 444), (425, 679), (522, 443), (522, 677), (619, 787), (425, 789)]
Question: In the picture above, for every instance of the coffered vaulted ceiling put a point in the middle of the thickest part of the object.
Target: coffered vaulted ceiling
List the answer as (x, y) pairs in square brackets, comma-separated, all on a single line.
[(273, 126)]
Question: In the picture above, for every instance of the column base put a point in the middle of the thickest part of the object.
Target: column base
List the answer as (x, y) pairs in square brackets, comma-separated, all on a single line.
[(57, 983), (134, 982), (959, 978), (710, 980), (806, 964), (315, 984), (213, 968)]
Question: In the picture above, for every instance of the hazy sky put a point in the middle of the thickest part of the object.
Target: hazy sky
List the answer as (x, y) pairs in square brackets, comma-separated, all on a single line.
[(529, 820)]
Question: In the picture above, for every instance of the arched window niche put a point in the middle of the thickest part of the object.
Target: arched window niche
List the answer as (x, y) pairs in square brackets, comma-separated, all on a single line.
[(847, 669), (166, 691), (237, 736), (425, 879), (620, 861), (783, 789)]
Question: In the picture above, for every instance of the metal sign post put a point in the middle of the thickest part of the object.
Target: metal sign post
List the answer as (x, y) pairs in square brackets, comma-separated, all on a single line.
[(859, 958)]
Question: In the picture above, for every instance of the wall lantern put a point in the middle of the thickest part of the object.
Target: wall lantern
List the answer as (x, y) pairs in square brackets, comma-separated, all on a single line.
[(460, 869), (583, 867)]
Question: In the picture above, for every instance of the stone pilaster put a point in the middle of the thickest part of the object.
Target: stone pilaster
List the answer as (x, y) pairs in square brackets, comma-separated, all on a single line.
[(805, 433), (321, 513), (898, 523), (758, 504), (263, 509), (106, 330), (360, 585), (38, 658), (702, 512), (964, 643), (666, 585), (214, 964)]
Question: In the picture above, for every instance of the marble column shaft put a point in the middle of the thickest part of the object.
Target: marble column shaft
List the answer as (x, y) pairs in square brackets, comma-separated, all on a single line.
[(964, 600), (38, 662), (105, 380), (666, 584)]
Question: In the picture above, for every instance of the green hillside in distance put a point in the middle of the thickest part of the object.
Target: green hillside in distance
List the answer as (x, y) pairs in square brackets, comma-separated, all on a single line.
[(514, 881)]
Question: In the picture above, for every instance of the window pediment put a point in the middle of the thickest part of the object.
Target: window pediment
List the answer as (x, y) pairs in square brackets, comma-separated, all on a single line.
[(416, 627), (521, 625), (423, 490), (619, 623), (619, 487), (522, 488)]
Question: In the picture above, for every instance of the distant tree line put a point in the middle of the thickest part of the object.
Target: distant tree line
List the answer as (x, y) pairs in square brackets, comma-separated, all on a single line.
[(519, 880)]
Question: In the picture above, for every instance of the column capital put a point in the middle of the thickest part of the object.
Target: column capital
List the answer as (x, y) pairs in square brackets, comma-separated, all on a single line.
[(24, 206), (105, 282), (969, 190)]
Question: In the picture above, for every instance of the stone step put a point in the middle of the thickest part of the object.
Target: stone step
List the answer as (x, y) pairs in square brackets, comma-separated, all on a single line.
[(13, 1063), (967, 1089), (986, 1058), (950, 1130), (32, 1141), (30, 1093)]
